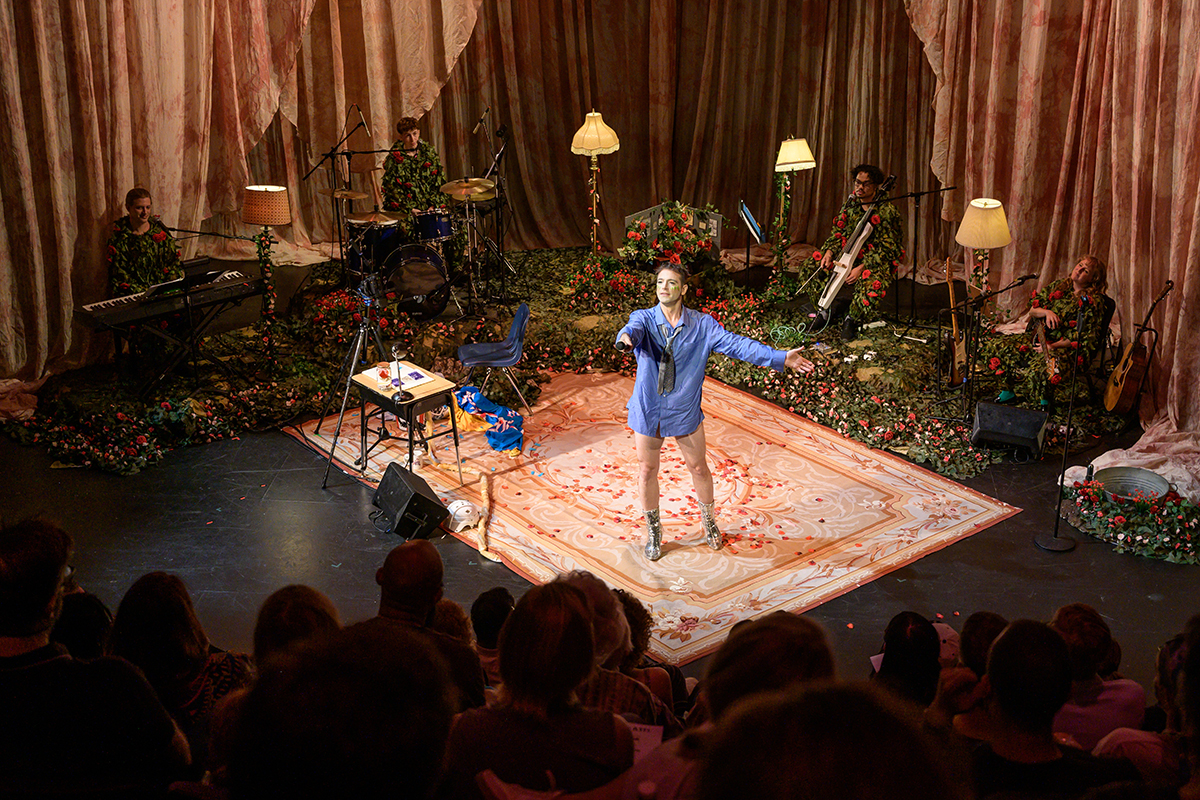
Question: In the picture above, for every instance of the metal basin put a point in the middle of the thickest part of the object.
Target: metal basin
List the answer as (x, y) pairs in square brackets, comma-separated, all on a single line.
[(1125, 483)]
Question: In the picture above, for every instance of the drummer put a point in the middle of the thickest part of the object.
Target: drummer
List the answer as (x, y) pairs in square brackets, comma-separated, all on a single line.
[(412, 176)]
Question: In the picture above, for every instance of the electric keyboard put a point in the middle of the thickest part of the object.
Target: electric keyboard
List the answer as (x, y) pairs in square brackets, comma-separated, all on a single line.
[(169, 298)]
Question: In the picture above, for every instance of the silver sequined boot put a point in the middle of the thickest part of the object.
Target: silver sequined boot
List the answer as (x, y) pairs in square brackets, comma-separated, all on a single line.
[(653, 535), (708, 520)]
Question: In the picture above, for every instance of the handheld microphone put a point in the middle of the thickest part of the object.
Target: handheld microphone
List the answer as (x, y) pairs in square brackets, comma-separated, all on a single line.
[(482, 117), (362, 119)]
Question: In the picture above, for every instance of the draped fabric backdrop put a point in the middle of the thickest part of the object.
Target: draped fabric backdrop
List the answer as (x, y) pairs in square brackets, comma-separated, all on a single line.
[(1078, 114)]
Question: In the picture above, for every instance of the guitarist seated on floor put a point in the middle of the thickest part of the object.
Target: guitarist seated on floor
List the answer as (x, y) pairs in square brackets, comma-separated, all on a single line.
[(867, 282), (1065, 333)]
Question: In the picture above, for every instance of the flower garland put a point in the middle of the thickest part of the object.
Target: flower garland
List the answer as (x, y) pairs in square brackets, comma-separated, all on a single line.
[(679, 237), (1166, 527), (262, 244), (779, 238)]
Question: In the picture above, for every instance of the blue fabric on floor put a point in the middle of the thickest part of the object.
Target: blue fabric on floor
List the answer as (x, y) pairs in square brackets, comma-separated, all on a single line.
[(507, 428)]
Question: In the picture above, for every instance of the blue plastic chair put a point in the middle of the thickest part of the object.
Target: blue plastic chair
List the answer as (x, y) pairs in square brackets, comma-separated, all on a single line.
[(499, 355)]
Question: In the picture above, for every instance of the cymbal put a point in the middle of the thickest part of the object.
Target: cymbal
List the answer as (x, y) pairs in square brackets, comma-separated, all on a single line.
[(345, 194), (478, 198), (462, 189), (375, 217)]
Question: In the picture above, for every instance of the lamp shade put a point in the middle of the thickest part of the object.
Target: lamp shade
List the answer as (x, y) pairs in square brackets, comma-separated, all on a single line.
[(794, 154), (266, 205), (595, 138), (984, 225)]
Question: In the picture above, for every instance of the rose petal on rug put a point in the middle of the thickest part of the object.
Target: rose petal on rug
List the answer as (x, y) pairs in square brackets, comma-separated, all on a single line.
[(807, 514)]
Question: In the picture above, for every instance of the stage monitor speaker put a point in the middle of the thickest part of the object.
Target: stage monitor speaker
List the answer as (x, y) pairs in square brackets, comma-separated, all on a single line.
[(1018, 427), (409, 506)]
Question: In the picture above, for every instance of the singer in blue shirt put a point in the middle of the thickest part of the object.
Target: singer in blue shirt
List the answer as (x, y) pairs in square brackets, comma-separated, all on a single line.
[(672, 344)]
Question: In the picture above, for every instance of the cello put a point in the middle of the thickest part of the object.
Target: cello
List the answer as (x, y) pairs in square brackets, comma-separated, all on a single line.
[(1125, 382)]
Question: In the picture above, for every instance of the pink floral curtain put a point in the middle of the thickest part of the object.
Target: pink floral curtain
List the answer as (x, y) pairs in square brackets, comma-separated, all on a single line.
[(1080, 115)]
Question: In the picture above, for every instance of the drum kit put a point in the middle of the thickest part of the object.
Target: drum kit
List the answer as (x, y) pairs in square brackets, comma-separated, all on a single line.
[(413, 267)]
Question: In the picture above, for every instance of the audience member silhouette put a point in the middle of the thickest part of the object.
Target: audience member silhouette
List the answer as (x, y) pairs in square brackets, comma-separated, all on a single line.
[(360, 713), (606, 688), (68, 725), (410, 585), (1096, 707), (910, 665), (488, 613), (451, 619), (290, 617), (157, 630), (538, 735), (1027, 681), (83, 626), (850, 742)]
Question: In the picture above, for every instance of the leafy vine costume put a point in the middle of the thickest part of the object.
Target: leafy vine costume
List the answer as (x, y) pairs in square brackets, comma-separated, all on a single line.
[(879, 257), (412, 181), (1027, 372), (137, 262)]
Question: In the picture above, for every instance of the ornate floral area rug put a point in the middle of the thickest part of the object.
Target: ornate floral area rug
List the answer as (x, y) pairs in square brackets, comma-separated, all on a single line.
[(808, 515)]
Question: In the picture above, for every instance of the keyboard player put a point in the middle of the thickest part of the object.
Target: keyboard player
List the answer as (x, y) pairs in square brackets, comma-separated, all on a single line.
[(141, 252)]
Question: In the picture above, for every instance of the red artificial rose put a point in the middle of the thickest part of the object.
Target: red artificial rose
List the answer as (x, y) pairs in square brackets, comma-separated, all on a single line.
[(1056, 379), (161, 236), (1034, 303), (888, 435), (876, 285), (874, 219), (993, 362), (383, 323), (866, 273), (631, 235), (1056, 295), (841, 223), (679, 247), (674, 258), (141, 440), (428, 164), (1023, 348), (817, 255)]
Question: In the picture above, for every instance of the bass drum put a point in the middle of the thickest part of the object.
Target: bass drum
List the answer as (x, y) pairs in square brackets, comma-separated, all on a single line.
[(414, 277)]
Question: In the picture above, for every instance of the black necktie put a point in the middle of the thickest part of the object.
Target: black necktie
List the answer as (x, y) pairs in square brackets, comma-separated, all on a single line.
[(666, 363)]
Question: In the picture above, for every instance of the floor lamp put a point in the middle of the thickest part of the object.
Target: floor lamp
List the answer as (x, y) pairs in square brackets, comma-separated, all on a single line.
[(595, 139), (983, 228), (794, 155), (266, 206)]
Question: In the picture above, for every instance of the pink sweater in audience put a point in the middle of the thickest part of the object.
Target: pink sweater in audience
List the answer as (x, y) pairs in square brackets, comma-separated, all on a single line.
[(1095, 709)]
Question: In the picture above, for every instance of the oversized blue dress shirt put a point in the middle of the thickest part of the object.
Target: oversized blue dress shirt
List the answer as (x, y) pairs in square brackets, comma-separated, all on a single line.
[(677, 413)]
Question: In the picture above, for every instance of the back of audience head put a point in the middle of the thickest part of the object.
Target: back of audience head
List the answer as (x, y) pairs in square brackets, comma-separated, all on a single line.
[(1190, 694), (290, 616), (775, 652), (451, 619), (640, 623), (1087, 636), (978, 633), (83, 626), (845, 741), (546, 648), (359, 713), (488, 613), (910, 657), (1029, 673), (33, 557), (610, 630), (410, 581), (156, 628), (1168, 679)]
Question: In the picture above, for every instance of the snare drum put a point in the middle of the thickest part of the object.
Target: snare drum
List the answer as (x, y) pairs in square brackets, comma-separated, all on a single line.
[(368, 244), (415, 276), (433, 226)]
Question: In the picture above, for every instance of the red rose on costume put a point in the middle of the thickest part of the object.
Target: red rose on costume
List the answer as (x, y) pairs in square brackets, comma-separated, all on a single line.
[(876, 285), (872, 294), (1071, 323), (1034, 303), (866, 273), (1023, 348), (1079, 360), (874, 219), (161, 236), (674, 258), (993, 362), (1056, 295), (1056, 379), (428, 164), (816, 255), (866, 302)]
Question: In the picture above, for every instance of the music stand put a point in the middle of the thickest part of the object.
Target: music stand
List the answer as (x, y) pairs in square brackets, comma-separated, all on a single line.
[(752, 228)]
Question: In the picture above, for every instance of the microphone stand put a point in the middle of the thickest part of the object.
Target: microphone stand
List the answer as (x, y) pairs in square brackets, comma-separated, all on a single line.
[(970, 309), (912, 296), (1056, 543), (331, 156)]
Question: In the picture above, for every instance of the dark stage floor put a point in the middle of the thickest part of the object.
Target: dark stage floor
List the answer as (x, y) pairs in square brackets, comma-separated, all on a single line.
[(239, 519)]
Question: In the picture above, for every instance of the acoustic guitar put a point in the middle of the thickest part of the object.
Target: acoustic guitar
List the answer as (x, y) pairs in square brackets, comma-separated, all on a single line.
[(958, 361), (1125, 382)]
